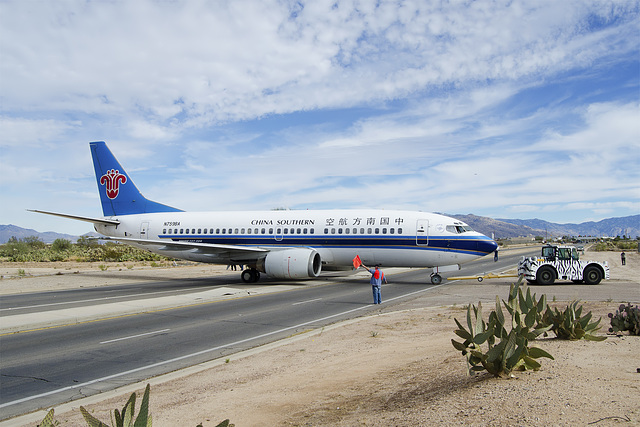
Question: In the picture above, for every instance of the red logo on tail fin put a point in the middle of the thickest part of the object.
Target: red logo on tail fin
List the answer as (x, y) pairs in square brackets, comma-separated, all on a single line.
[(112, 180)]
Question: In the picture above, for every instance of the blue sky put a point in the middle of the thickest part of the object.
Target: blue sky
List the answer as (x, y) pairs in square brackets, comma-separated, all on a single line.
[(506, 109)]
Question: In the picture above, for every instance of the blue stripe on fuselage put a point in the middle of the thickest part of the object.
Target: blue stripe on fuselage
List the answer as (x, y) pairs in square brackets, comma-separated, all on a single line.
[(453, 244)]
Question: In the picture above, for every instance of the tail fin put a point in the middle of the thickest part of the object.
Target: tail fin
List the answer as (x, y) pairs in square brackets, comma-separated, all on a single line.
[(118, 193)]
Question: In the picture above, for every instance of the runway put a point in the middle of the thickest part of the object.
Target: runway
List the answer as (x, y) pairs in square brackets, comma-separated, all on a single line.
[(46, 367)]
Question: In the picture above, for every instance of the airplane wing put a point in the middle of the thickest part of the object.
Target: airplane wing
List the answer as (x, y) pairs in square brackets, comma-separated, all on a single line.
[(234, 252)]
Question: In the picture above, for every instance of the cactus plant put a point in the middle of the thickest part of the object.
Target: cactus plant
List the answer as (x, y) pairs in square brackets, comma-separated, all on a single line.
[(512, 351), (126, 417), (48, 420), (627, 318), (570, 324)]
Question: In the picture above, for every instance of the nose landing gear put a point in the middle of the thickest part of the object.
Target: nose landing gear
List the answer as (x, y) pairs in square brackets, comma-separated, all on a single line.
[(436, 279)]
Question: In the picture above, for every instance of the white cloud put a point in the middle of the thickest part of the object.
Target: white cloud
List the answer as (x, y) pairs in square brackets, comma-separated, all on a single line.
[(486, 107)]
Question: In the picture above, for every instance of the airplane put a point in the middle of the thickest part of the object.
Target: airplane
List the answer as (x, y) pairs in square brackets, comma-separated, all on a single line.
[(283, 244)]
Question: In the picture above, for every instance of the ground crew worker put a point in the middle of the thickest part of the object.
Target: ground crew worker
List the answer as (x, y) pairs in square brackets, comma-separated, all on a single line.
[(377, 276)]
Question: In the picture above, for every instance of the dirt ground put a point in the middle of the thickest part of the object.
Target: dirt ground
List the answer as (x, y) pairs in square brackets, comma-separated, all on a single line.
[(399, 368)]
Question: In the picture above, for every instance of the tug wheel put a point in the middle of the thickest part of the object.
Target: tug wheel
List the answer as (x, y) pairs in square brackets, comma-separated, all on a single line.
[(545, 275)]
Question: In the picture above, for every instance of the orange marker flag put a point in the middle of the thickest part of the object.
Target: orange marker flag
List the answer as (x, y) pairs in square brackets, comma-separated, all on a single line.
[(357, 262)]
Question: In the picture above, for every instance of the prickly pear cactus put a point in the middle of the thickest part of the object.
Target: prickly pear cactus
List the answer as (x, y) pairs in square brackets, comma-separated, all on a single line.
[(627, 318)]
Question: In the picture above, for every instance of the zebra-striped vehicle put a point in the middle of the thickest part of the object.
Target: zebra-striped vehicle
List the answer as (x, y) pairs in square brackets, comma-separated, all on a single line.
[(562, 262)]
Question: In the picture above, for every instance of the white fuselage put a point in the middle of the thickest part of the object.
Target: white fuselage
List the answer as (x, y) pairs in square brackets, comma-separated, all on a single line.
[(389, 238)]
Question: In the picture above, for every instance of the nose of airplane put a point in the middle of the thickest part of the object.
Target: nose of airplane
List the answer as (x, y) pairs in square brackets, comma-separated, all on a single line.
[(487, 246)]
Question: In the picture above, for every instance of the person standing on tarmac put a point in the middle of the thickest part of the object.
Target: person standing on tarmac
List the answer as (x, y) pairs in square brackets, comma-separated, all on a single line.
[(377, 276)]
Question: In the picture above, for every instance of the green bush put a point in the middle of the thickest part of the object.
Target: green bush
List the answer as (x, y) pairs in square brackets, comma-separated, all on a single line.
[(60, 245), (34, 250)]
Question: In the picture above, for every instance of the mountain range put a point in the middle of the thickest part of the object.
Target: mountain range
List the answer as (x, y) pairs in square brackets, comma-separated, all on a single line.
[(508, 228), (500, 228)]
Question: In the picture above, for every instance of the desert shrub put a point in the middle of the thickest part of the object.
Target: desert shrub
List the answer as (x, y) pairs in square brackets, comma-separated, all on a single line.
[(34, 250), (570, 324), (627, 318), (60, 245), (507, 350)]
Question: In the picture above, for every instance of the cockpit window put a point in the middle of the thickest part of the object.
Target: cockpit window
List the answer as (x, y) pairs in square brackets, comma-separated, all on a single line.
[(458, 229)]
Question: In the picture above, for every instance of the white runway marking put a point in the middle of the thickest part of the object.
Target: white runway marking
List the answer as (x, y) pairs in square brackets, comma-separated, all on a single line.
[(134, 336), (198, 353)]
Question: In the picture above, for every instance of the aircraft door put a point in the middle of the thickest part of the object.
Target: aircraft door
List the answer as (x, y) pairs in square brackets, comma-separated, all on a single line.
[(144, 230), (422, 232)]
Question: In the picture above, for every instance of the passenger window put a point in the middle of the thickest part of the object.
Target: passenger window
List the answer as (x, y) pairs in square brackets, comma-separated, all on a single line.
[(181, 231), (399, 230), (256, 231), (304, 231), (286, 231), (224, 231), (392, 231), (175, 231), (369, 231), (333, 231), (187, 231), (362, 231), (346, 231), (164, 231), (270, 231), (217, 231), (384, 231), (377, 231), (248, 231), (205, 231), (292, 231), (311, 231), (211, 231)]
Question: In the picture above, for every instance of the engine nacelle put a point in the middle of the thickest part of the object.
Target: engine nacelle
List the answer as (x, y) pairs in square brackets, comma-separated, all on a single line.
[(298, 263)]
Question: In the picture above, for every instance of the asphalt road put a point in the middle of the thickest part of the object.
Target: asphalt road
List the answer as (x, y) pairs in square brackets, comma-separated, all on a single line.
[(43, 368)]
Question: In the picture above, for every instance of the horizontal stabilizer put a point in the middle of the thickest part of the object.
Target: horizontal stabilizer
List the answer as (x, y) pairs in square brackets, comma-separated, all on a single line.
[(103, 221)]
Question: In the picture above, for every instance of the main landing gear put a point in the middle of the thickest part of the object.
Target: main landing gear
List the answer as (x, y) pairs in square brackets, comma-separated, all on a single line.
[(436, 279), (250, 275)]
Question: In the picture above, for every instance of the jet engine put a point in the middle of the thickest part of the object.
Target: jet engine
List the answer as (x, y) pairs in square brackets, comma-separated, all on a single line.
[(297, 263)]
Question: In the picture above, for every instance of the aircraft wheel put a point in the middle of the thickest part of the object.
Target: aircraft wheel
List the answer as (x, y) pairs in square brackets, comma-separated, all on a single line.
[(436, 279), (247, 276)]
